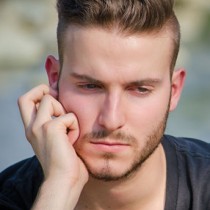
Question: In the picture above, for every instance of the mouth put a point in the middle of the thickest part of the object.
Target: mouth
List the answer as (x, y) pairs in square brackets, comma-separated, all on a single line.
[(109, 146), (109, 143)]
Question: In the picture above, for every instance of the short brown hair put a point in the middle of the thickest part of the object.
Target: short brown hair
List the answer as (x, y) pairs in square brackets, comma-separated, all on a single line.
[(130, 16)]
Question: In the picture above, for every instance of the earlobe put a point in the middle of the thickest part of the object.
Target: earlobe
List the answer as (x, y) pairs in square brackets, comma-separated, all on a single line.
[(52, 67), (177, 85)]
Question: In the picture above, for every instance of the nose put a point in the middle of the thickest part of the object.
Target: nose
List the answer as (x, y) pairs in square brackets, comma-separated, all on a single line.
[(112, 116)]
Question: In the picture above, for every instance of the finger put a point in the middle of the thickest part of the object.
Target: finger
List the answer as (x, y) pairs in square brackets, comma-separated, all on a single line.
[(27, 103), (67, 124), (48, 108)]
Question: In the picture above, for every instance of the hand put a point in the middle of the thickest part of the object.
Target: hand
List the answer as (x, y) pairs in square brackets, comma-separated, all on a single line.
[(52, 132)]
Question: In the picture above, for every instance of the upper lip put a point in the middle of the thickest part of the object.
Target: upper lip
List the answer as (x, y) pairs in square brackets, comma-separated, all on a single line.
[(110, 143)]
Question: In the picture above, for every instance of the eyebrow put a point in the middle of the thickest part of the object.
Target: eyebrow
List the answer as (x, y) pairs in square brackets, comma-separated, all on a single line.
[(147, 81), (84, 77)]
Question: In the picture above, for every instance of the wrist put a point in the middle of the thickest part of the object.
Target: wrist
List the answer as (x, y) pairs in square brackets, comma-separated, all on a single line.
[(58, 193)]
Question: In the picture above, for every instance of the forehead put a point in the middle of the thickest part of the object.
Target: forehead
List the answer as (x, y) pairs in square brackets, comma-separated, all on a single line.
[(75, 32), (97, 48)]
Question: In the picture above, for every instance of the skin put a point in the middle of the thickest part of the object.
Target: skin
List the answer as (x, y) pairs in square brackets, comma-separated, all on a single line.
[(114, 94)]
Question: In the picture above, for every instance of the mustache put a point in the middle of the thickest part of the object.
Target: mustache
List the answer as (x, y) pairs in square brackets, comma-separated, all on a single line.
[(103, 134)]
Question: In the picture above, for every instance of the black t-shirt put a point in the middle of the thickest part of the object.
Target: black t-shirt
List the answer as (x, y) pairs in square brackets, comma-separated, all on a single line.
[(188, 174), (19, 185), (188, 178)]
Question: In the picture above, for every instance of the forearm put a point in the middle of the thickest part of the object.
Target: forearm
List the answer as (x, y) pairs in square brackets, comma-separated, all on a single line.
[(57, 194)]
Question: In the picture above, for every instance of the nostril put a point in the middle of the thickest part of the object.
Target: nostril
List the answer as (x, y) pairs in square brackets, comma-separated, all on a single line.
[(110, 121)]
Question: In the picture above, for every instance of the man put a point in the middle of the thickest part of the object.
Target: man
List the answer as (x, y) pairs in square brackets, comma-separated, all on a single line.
[(98, 129)]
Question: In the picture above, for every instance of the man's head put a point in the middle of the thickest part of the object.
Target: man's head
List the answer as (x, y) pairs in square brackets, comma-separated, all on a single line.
[(115, 74), (126, 16)]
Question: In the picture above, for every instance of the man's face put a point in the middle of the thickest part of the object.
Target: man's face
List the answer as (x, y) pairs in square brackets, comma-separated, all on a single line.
[(119, 88)]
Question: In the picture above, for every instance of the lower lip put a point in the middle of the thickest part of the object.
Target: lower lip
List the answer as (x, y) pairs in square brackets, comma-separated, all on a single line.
[(110, 148)]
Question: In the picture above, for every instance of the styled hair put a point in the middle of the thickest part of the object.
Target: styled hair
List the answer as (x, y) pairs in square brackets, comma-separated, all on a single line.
[(129, 16)]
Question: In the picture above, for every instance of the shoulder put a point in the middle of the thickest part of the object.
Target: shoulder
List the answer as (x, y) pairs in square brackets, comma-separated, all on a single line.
[(192, 156), (19, 183), (188, 166), (189, 146)]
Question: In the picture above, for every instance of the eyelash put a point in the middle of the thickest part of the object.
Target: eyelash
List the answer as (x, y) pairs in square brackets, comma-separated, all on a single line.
[(138, 90), (89, 86)]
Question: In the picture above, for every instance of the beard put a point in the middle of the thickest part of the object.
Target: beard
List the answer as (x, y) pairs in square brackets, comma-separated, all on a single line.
[(152, 142)]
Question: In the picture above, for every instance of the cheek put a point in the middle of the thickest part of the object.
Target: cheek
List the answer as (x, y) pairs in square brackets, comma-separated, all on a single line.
[(85, 111), (147, 116)]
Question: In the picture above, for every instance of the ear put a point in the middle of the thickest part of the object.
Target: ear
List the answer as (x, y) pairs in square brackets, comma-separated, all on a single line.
[(178, 79), (52, 67)]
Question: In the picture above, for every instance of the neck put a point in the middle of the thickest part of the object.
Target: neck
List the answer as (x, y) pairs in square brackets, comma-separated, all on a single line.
[(144, 189)]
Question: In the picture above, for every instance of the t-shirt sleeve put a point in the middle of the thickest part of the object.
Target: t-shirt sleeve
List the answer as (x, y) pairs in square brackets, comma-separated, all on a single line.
[(19, 185)]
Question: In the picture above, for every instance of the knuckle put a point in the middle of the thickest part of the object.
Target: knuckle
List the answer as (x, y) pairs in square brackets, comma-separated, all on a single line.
[(29, 134), (21, 100), (33, 132), (47, 97), (43, 86), (46, 128), (73, 117)]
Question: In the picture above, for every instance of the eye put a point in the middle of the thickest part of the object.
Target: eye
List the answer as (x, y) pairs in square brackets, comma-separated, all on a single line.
[(140, 90), (88, 86)]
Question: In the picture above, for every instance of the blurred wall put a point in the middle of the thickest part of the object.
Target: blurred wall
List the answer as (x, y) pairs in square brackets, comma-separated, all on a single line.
[(27, 36)]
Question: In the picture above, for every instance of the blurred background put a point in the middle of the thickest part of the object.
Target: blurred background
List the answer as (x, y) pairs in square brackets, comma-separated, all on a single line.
[(28, 35)]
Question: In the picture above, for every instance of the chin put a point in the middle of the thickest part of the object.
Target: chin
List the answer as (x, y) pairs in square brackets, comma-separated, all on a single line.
[(109, 170), (112, 168)]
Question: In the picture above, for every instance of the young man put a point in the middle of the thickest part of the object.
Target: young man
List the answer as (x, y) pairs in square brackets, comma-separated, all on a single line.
[(98, 129)]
